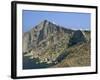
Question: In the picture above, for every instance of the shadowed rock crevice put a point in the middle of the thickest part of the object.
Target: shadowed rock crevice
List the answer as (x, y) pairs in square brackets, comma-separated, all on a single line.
[(77, 37)]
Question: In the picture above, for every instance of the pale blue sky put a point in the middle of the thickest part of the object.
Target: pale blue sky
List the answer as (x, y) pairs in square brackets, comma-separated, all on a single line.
[(66, 19)]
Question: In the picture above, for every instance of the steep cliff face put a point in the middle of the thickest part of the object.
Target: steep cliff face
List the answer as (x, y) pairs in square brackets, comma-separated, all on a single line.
[(44, 35), (49, 42)]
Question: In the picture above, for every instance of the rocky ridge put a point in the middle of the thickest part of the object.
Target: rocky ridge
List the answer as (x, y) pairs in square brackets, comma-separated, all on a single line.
[(51, 43)]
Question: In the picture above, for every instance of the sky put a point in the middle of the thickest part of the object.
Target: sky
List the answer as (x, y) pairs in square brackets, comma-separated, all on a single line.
[(72, 20)]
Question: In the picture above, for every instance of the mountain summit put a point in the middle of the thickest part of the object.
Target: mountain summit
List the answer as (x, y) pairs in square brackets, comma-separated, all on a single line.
[(46, 32), (50, 42)]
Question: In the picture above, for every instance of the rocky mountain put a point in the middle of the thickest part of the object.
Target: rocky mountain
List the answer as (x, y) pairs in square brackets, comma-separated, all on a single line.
[(52, 44)]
